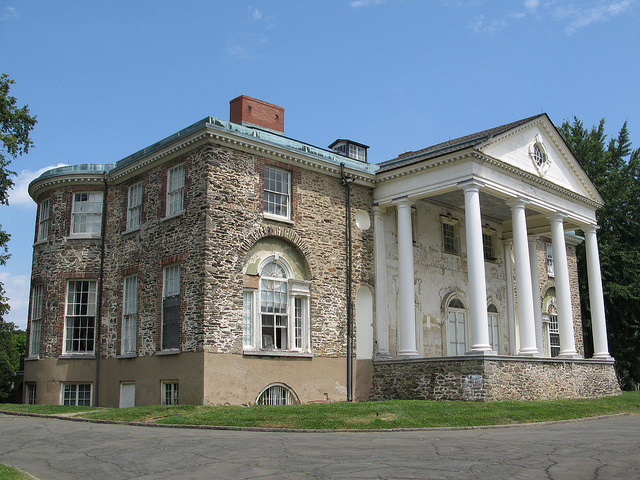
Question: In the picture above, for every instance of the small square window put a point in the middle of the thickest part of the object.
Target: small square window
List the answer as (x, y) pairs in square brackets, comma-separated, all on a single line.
[(86, 214), (170, 393), (78, 394)]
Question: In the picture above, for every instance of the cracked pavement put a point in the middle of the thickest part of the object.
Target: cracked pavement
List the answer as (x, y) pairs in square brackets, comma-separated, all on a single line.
[(51, 449)]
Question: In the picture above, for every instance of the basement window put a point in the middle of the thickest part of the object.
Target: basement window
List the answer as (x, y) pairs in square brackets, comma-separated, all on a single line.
[(277, 394)]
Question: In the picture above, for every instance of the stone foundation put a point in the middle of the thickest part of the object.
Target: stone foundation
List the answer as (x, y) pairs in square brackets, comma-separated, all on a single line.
[(481, 379)]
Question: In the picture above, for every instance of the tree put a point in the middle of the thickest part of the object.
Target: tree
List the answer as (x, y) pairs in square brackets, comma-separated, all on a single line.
[(15, 126), (614, 168)]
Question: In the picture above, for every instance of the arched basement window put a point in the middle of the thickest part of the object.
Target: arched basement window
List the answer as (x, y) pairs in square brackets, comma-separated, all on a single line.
[(277, 394)]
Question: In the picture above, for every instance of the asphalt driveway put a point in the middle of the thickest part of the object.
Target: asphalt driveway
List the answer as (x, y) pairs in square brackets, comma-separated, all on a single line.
[(52, 449)]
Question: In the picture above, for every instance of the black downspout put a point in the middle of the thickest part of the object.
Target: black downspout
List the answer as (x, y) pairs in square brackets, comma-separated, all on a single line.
[(347, 183), (99, 300)]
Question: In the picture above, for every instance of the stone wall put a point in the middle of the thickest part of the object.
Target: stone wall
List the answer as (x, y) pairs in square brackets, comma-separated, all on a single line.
[(492, 378)]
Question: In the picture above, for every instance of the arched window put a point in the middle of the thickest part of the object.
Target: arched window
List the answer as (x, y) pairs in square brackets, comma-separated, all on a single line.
[(494, 329), (553, 330), (276, 311), (277, 394), (456, 316)]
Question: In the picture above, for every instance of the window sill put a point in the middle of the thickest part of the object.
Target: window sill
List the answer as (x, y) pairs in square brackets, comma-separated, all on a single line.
[(78, 356), (277, 218), (133, 230), (44, 241), (175, 215), (93, 236), (126, 355), (32, 358), (277, 353), (169, 351)]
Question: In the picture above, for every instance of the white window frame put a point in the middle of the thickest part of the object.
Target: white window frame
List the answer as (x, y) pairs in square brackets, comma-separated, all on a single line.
[(129, 315), (30, 394), (171, 294), (80, 318), (134, 207), (277, 193), (451, 247), (489, 244), (169, 392), (43, 220), (86, 214), (493, 321), (297, 312), (35, 332), (70, 393), (357, 152), (550, 267), (175, 190), (456, 317)]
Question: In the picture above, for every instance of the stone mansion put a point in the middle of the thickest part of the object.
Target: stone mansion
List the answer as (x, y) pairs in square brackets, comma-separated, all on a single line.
[(229, 263)]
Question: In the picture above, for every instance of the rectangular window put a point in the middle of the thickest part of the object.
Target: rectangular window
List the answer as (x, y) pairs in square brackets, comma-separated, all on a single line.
[(356, 152), (247, 319), (487, 246), (298, 322), (129, 315), (80, 317), (550, 269), (171, 308), (76, 394), (36, 320), (30, 397), (554, 335), (175, 190), (43, 220), (87, 213), (450, 240), (134, 209), (170, 393), (277, 187)]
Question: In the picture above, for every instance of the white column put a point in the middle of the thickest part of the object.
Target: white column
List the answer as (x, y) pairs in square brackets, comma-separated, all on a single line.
[(596, 296), (406, 289), (563, 287), (535, 284), (479, 323), (524, 288), (382, 312)]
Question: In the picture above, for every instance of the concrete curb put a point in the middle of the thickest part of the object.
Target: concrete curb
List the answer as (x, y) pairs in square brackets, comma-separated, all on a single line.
[(309, 430)]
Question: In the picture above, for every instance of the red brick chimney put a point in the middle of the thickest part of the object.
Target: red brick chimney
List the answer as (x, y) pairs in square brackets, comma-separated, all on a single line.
[(253, 112)]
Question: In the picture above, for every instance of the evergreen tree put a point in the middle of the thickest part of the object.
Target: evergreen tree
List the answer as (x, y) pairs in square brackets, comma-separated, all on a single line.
[(614, 168)]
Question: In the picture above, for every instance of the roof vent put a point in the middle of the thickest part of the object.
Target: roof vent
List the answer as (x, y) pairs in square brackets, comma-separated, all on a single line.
[(252, 112), (348, 148)]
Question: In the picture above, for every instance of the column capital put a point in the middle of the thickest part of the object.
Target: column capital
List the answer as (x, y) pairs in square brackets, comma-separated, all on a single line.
[(403, 202), (379, 210), (591, 228), (557, 217), (471, 184), (533, 238), (517, 202)]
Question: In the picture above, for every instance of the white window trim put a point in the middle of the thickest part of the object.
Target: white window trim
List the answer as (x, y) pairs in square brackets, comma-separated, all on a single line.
[(296, 289), (134, 195), (166, 293), (94, 214), (543, 167), (177, 190), (31, 393), (497, 315), (43, 220), (273, 216), (35, 332), (549, 256), (126, 314), (447, 310), (85, 353), (456, 229), (76, 384), (175, 392)]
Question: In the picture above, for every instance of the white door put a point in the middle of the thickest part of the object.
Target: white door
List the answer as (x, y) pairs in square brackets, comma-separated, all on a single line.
[(127, 395)]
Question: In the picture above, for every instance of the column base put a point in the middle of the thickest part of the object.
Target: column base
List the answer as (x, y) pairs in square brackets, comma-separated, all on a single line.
[(482, 352), (573, 354), (529, 352), (602, 356), (410, 354)]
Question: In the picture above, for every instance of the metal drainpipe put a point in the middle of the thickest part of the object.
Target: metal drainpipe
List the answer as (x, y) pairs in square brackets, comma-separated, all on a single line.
[(347, 183), (100, 280)]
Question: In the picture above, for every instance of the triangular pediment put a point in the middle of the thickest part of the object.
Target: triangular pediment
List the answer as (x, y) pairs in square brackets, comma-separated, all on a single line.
[(537, 148)]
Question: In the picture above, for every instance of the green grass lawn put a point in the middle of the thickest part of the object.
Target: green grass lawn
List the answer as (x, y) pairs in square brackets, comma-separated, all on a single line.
[(359, 415), (11, 473)]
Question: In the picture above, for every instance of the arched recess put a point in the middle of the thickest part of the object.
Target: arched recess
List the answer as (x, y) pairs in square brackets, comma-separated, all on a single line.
[(364, 323), (276, 298), (456, 314)]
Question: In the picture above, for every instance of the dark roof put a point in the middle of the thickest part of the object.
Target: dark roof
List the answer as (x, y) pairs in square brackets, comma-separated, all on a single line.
[(468, 141)]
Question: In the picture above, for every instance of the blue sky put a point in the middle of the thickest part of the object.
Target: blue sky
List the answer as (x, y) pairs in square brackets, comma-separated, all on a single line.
[(106, 79)]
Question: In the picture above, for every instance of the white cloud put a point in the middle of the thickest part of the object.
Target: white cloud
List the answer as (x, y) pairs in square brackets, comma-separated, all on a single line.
[(17, 290), (9, 13), (19, 195), (365, 3), (257, 14), (531, 4), (492, 26), (583, 15)]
